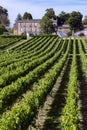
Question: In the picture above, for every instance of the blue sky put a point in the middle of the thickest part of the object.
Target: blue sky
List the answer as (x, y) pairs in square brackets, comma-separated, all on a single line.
[(37, 7)]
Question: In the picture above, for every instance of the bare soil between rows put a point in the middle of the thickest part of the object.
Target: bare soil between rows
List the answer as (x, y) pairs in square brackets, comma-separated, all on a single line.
[(49, 116)]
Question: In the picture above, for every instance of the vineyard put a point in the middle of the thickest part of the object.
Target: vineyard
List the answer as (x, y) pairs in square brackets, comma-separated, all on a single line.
[(5, 41), (43, 84)]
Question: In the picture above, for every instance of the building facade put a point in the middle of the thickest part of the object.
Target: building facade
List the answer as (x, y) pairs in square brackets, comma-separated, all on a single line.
[(66, 28), (27, 27)]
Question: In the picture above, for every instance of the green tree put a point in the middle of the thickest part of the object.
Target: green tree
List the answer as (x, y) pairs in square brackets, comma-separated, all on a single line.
[(19, 17), (59, 21), (47, 25), (2, 29), (50, 13), (10, 30), (85, 20), (27, 16), (75, 21), (4, 16), (62, 18)]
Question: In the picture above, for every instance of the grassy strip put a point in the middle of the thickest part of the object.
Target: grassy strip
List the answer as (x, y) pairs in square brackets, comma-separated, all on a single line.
[(84, 42), (83, 58), (69, 116)]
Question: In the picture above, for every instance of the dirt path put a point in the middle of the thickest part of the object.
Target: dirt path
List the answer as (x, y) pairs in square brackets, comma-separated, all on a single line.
[(48, 117)]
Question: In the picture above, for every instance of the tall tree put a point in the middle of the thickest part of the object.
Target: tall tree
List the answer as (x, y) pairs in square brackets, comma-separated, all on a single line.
[(27, 16), (4, 16), (62, 18), (19, 17), (47, 23), (75, 21), (50, 13), (85, 20)]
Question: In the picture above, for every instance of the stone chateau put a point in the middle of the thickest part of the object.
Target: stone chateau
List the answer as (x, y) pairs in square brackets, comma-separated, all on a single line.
[(28, 26)]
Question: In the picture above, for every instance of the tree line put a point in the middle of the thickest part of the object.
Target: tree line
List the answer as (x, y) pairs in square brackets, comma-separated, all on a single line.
[(26, 15), (74, 20)]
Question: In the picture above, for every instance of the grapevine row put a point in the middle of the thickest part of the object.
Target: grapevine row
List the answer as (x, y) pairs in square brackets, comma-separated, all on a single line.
[(12, 91), (23, 113), (69, 117)]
